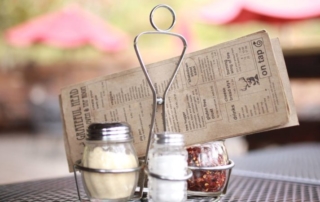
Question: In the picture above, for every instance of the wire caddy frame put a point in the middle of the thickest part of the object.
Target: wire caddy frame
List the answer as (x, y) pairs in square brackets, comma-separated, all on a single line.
[(159, 100)]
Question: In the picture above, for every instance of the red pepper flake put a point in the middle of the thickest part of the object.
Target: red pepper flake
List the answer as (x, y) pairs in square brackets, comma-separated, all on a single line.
[(205, 180)]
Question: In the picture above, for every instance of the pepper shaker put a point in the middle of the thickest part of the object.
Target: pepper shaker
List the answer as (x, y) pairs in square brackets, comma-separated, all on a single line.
[(211, 166)]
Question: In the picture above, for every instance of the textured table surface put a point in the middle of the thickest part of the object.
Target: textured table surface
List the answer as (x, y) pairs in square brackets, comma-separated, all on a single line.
[(289, 173)]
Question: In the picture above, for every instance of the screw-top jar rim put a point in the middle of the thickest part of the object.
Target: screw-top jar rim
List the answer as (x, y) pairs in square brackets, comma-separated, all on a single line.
[(110, 131), (169, 138)]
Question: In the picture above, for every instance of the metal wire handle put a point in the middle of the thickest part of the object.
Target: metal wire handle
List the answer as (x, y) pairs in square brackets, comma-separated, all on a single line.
[(157, 100), (161, 177), (224, 167)]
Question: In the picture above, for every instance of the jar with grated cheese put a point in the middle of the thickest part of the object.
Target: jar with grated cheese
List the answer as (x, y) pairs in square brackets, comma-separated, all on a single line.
[(109, 146)]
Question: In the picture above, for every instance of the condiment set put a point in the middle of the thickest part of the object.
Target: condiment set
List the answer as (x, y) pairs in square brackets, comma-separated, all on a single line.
[(110, 167)]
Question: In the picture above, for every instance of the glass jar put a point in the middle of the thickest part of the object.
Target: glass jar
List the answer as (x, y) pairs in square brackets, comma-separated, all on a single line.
[(109, 146), (207, 182), (168, 158)]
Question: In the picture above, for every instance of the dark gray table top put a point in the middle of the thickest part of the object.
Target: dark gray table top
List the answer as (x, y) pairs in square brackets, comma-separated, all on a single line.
[(288, 173)]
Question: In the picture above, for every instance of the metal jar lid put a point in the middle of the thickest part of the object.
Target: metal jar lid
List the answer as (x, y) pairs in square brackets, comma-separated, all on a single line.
[(113, 132), (169, 138)]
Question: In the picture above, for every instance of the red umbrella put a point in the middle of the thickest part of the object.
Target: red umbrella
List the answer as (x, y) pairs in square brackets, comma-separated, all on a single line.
[(231, 11), (68, 28)]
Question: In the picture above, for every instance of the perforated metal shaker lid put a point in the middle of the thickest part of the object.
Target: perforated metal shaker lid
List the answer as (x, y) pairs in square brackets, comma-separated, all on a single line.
[(169, 138), (113, 132)]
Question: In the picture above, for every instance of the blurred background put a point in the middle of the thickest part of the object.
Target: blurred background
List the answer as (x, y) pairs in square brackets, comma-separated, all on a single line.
[(46, 45)]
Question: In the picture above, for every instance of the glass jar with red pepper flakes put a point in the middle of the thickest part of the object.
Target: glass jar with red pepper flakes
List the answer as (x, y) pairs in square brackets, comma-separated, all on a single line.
[(204, 160)]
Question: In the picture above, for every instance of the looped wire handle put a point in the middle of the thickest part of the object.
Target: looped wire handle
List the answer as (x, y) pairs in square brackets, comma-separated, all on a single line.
[(173, 17), (159, 100)]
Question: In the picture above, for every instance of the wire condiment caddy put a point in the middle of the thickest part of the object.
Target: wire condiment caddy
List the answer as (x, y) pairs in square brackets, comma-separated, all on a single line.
[(159, 100)]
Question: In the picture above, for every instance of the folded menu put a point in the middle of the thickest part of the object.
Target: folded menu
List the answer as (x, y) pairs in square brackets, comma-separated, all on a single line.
[(235, 88)]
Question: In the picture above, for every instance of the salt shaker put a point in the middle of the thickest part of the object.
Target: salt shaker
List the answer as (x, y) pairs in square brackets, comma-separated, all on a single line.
[(109, 146), (168, 157)]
